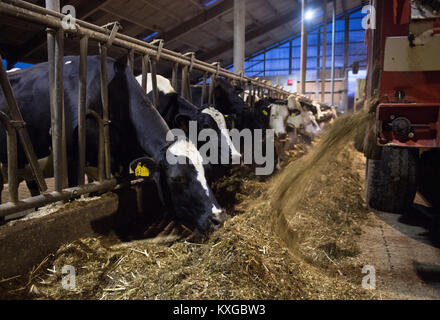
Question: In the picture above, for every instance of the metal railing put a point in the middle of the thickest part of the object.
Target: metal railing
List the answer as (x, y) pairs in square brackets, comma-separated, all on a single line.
[(151, 54)]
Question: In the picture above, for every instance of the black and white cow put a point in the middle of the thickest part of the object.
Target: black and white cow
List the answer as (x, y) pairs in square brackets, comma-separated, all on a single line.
[(270, 113), (136, 131), (301, 124), (322, 112), (177, 112), (227, 101), (304, 120)]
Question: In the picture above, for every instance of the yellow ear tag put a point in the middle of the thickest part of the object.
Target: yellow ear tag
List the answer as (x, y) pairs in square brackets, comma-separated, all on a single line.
[(265, 113), (145, 172), (141, 171), (293, 115), (137, 171), (226, 116)]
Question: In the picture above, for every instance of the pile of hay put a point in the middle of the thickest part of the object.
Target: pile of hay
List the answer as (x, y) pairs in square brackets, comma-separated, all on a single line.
[(294, 238)]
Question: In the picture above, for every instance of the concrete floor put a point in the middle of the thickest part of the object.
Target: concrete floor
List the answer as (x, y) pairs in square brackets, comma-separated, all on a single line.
[(405, 253)]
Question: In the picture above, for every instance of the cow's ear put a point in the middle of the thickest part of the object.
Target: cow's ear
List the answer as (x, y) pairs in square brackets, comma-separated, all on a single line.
[(144, 167)]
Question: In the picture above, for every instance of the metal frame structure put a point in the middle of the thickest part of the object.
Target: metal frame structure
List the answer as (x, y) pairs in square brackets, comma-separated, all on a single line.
[(289, 42), (151, 54)]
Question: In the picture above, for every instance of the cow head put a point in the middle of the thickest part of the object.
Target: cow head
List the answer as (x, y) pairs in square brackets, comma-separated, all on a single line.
[(272, 114), (183, 187), (228, 100), (261, 117), (220, 123), (278, 118), (311, 126)]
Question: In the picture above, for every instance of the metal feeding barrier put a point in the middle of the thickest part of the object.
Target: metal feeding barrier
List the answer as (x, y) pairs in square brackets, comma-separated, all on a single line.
[(106, 36)]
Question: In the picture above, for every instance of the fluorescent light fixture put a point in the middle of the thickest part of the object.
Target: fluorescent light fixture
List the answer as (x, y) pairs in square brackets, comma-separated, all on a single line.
[(310, 14)]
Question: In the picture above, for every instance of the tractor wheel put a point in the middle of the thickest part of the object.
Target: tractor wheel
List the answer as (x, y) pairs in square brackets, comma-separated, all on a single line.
[(391, 182)]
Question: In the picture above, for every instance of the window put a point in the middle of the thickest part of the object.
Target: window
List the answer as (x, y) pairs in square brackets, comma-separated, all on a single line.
[(284, 57)]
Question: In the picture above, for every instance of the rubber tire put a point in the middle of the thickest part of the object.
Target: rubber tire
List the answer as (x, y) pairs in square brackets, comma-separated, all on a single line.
[(391, 183)]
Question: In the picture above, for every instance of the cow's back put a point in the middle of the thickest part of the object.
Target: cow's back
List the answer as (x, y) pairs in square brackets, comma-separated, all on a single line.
[(31, 91)]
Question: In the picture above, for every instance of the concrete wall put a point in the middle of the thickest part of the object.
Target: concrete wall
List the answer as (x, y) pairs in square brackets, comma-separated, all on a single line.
[(311, 88)]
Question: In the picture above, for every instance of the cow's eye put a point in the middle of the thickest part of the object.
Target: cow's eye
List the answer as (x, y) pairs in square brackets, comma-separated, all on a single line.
[(179, 180)]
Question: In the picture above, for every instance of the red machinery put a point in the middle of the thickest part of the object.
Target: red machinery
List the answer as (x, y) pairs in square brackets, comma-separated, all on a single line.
[(404, 74)]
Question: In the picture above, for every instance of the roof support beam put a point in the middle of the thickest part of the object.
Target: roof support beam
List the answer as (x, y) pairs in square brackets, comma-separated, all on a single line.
[(133, 21), (303, 47), (198, 21), (324, 51), (254, 20), (213, 35), (239, 35), (162, 10), (275, 23), (198, 4), (192, 45), (94, 9), (272, 8)]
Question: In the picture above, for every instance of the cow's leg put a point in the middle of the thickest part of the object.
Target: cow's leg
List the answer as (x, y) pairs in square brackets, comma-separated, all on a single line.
[(33, 187), (72, 170)]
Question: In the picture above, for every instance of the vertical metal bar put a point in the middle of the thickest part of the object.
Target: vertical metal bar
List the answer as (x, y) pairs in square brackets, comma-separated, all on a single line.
[(154, 83), (82, 96), (318, 63), (105, 113), (251, 95), (346, 48), (145, 66), (290, 57), (333, 52), (203, 98), (211, 97), (59, 75), (303, 47), (324, 53), (23, 134), (53, 54), (175, 76), (183, 89), (264, 66), (55, 60), (12, 165), (239, 35), (131, 59), (346, 40), (188, 87), (12, 157)]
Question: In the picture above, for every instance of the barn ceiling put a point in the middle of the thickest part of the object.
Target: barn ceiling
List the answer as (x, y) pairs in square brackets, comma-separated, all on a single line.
[(201, 26)]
